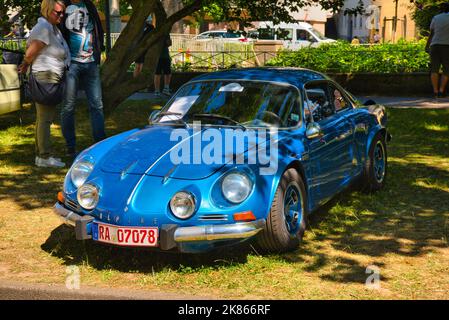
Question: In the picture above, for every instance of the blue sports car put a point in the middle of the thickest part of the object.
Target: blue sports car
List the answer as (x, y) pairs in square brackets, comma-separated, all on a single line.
[(234, 155)]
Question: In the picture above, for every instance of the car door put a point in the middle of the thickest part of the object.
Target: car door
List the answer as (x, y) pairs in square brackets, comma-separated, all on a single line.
[(302, 38), (329, 154), (345, 109)]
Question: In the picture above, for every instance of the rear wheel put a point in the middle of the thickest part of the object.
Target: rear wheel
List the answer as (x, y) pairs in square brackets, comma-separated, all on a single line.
[(286, 221), (375, 171)]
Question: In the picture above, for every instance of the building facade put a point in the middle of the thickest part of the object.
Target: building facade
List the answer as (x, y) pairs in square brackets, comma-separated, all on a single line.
[(365, 18)]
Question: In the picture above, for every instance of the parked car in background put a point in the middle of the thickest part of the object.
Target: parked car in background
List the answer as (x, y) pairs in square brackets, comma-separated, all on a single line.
[(9, 89), (293, 35), (132, 190), (224, 35)]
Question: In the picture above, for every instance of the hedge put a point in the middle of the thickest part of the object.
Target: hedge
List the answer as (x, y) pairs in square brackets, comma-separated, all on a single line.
[(342, 57)]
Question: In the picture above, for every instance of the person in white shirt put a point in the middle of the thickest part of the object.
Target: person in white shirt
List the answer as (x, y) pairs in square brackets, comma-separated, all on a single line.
[(438, 47), (49, 55)]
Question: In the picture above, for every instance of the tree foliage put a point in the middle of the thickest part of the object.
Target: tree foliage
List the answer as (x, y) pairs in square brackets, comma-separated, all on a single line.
[(423, 12), (117, 83), (29, 12)]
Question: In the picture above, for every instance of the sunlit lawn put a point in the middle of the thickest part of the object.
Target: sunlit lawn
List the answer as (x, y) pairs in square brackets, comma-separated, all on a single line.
[(403, 230)]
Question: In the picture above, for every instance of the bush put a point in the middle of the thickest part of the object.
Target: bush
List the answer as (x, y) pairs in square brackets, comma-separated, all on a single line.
[(342, 57)]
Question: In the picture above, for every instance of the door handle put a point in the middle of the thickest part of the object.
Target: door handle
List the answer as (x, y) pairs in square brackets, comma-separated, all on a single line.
[(345, 135)]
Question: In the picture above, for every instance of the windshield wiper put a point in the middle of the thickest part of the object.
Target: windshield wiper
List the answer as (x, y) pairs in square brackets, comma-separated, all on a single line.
[(168, 113), (218, 116)]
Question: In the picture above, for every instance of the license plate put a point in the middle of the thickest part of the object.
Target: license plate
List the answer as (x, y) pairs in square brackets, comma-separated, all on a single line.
[(125, 236)]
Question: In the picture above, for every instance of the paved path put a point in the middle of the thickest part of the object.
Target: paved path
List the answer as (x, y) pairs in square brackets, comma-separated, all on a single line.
[(409, 102), (27, 291), (394, 102)]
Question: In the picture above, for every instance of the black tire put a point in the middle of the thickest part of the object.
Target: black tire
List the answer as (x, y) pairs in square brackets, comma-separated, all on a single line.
[(372, 179), (276, 236)]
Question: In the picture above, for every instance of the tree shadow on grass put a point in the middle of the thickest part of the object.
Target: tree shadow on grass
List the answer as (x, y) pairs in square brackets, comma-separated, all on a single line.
[(409, 218), (62, 244), (376, 227), (32, 187), (405, 219)]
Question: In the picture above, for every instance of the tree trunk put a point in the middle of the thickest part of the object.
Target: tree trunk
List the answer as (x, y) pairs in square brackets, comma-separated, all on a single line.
[(118, 84)]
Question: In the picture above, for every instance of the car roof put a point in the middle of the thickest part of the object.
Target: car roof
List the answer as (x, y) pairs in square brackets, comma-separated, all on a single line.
[(220, 31), (296, 25), (293, 76)]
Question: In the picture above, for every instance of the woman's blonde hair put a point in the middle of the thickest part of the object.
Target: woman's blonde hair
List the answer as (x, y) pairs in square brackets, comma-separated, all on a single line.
[(47, 6)]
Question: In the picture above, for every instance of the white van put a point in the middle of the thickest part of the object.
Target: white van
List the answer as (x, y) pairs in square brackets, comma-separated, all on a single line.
[(293, 35)]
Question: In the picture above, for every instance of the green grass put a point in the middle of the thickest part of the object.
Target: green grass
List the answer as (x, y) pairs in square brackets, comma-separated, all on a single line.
[(403, 229)]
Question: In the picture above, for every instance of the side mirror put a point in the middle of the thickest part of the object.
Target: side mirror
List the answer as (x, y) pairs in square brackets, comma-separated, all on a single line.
[(153, 116), (312, 39), (313, 131), (369, 102)]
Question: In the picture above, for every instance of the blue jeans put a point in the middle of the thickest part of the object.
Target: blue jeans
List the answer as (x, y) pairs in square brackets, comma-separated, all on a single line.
[(87, 74)]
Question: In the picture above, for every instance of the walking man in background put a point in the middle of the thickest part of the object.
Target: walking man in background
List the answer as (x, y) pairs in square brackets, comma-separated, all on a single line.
[(84, 34), (163, 67), (438, 47)]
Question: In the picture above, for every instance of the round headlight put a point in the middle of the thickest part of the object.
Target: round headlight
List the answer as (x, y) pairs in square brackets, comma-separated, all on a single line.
[(80, 172), (88, 196), (236, 187), (182, 205)]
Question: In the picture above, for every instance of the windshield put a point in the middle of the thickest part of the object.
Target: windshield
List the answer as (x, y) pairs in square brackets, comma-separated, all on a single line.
[(234, 103), (318, 34)]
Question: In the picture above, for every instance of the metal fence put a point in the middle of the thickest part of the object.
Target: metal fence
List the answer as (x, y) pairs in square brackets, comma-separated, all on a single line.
[(16, 45), (209, 60)]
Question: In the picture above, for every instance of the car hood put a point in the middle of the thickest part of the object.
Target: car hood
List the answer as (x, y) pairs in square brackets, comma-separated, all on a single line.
[(156, 151)]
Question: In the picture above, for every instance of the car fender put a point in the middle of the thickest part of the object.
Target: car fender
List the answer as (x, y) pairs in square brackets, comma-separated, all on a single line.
[(285, 164), (373, 132), (99, 149)]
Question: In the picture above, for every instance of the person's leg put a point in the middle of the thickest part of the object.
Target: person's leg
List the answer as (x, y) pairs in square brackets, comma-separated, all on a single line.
[(167, 79), (68, 107), (435, 79), (157, 77), (435, 63), (157, 83), (44, 118), (166, 66), (137, 69), (445, 76), (443, 84), (37, 129), (91, 78)]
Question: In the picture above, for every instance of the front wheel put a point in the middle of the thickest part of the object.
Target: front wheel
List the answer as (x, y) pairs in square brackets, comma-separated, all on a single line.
[(286, 221)]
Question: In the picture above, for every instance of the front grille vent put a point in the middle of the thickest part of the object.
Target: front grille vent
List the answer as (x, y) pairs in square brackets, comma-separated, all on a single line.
[(72, 205), (214, 217)]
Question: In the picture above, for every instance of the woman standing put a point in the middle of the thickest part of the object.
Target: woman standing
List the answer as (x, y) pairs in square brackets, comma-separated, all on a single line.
[(49, 56)]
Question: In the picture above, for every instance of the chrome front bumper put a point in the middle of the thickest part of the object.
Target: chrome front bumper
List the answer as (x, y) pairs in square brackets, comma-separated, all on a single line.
[(219, 231), (81, 223), (170, 234)]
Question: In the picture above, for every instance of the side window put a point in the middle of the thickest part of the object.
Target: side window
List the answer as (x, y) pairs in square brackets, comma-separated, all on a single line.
[(285, 34), (281, 107), (301, 35), (318, 103), (266, 34), (339, 101)]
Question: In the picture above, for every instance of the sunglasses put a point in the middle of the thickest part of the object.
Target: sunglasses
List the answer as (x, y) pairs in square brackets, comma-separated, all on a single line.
[(59, 13)]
